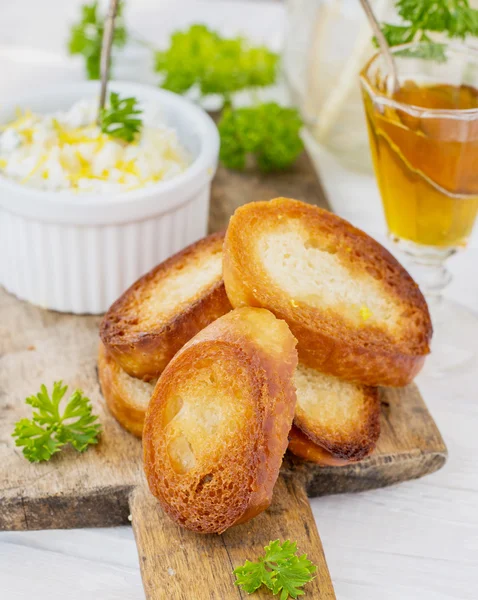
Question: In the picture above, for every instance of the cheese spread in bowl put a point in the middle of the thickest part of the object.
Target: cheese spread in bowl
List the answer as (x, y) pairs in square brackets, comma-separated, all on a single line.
[(83, 214), (67, 150)]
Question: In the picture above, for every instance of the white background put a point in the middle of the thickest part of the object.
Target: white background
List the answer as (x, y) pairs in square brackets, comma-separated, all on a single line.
[(418, 540)]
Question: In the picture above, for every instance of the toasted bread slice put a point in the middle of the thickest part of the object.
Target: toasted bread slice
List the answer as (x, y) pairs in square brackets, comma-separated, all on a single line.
[(126, 397), (355, 311), (339, 417), (165, 308), (217, 424)]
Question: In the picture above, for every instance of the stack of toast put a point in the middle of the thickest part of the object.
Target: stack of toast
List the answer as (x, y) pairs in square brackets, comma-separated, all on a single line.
[(276, 334)]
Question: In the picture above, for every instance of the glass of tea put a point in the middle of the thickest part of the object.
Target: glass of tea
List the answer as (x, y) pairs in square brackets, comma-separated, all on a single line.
[(424, 144)]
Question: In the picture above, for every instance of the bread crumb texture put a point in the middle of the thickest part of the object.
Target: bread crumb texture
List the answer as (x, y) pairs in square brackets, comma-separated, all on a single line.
[(169, 295), (312, 271)]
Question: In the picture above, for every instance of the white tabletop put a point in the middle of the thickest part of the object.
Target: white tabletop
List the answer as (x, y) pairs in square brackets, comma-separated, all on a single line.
[(416, 540)]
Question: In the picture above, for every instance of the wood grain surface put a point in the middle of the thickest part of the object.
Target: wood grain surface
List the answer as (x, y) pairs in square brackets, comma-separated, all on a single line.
[(231, 189), (176, 563)]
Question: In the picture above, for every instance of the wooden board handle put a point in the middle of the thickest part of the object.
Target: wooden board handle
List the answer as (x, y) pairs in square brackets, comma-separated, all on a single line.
[(177, 564)]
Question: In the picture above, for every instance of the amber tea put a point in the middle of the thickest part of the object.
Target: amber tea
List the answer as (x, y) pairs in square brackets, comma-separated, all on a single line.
[(426, 164)]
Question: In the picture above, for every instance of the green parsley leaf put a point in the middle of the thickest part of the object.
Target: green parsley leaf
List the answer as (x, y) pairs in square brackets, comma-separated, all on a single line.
[(120, 118), (201, 57), (252, 575), (49, 430), (269, 132), (276, 551), (396, 34), (38, 443), (86, 37), (426, 51), (280, 569), (454, 18), (291, 576)]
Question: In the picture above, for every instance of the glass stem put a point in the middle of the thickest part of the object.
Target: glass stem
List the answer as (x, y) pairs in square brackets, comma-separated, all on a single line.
[(432, 277), (427, 265)]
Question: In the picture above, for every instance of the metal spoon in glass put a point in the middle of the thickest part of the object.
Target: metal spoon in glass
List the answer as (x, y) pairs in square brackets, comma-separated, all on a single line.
[(392, 82)]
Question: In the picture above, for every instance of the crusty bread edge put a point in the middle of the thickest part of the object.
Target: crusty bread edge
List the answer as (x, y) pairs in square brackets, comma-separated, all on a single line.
[(353, 448), (303, 447), (148, 354), (128, 415)]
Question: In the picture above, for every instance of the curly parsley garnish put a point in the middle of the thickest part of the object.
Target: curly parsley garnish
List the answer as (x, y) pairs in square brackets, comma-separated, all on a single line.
[(50, 429), (454, 18), (120, 118), (280, 569), (269, 132), (216, 65)]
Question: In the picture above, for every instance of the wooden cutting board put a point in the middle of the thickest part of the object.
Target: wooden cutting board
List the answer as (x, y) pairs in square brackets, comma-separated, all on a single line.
[(105, 485)]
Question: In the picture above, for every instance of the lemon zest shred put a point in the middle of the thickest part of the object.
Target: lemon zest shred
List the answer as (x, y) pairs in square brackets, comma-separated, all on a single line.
[(22, 119), (28, 134), (63, 163), (100, 142), (171, 154), (127, 167), (73, 136), (17, 125), (365, 312), (155, 177), (84, 164), (151, 179), (40, 162)]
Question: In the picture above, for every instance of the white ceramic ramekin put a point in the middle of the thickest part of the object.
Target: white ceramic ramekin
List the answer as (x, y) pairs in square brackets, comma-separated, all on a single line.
[(78, 252)]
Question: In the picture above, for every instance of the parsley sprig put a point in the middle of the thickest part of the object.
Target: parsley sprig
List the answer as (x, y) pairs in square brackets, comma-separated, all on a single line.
[(267, 131), (50, 429), (201, 57), (280, 569), (454, 18), (86, 37), (120, 118)]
